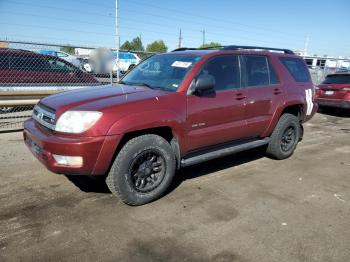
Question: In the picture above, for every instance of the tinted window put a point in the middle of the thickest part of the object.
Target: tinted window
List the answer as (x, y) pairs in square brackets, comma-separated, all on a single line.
[(225, 70), (59, 66), (4, 61), (296, 68), (337, 79), (273, 76), (256, 70), (29, 63), (60, 54), (131, 56)]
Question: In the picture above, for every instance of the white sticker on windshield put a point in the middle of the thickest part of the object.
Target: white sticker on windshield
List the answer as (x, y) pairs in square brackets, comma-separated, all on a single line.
[(182, 64)]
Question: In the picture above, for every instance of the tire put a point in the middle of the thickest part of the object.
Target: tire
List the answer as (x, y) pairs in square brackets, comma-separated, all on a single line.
[(285, 137), (131, 67), (143, 170)]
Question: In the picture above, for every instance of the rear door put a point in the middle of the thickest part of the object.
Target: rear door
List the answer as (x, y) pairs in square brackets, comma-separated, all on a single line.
[(262, 89), (217, 117)]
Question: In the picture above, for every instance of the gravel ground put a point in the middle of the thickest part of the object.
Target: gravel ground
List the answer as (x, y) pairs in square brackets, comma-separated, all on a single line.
[(245, 207)]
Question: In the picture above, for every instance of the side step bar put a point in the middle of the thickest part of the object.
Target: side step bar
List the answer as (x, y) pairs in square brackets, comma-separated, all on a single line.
[(223, 151)]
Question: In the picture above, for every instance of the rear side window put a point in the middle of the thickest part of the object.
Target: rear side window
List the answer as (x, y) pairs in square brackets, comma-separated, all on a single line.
[(297, 68), (256, 70), (337, 79), (60, 67), (273, 76)]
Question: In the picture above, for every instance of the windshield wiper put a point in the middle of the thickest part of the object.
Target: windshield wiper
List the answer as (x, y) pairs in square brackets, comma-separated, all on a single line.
[(138, 84)]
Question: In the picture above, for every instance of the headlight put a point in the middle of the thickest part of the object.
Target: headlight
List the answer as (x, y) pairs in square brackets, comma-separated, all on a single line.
[(77, 121)]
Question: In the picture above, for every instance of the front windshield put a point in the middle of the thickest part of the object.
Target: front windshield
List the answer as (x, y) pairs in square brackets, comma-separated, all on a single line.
[(164, 72)]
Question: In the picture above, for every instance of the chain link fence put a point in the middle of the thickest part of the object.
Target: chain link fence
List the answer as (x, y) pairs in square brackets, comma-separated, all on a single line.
[(30, 71)]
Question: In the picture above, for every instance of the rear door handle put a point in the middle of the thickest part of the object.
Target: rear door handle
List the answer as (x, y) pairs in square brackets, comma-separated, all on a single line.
[(277, 91)]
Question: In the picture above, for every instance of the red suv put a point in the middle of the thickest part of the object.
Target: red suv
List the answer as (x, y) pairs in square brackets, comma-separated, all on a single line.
[(21, 66), (174, 110), (334, 91)]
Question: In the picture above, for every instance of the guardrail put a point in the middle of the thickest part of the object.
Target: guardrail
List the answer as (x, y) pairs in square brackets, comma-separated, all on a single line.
[(17, 102)]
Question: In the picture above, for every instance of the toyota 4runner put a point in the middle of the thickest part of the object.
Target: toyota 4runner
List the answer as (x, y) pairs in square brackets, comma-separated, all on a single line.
[(174, 110)]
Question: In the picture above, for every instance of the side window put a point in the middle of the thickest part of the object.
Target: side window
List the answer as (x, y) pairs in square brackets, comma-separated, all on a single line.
[(28, 63), (273, 75), (297, 68), (225, 70), (256, 70), (60, 67), (60, 54), (4, 61)]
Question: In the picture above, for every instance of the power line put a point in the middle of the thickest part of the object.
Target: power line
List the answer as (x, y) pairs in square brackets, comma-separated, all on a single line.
[(202, 25), (184, 13), (55, 28), (58, 19), (59, 8)]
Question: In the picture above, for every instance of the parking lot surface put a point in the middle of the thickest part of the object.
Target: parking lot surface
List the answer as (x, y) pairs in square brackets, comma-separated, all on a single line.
[(244, 207)]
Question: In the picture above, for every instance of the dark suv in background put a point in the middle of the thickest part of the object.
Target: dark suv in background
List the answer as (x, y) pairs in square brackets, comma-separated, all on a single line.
[(174, 110), (334, 91)]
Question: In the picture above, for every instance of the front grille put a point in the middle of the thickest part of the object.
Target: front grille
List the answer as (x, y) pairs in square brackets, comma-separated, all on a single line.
[(44, 116)]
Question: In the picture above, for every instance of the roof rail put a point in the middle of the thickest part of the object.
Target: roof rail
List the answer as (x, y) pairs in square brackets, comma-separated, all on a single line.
[(237, 47), (184, 49)]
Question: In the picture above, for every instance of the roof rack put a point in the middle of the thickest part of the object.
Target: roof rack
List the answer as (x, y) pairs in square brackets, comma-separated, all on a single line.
[(238, 47), (185, 48)]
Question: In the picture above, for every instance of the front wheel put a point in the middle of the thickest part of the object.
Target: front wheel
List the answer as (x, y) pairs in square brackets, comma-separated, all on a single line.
[(285, 137), (143, 170)]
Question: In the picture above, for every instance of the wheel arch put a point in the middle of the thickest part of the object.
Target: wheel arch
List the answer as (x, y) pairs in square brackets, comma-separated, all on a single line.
[(295, 108)]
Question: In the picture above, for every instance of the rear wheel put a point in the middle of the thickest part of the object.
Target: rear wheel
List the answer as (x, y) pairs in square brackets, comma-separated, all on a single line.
[(285, 137), (143, 170)]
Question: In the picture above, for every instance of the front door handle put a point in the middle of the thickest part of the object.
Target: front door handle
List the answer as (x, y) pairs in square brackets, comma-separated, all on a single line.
[(240, 96)]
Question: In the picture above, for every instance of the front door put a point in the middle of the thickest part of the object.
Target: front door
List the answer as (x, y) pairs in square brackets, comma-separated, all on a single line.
[(217, 117)]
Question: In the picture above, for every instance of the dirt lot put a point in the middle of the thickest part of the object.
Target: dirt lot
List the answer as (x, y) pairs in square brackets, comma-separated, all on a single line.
[(239, 208)]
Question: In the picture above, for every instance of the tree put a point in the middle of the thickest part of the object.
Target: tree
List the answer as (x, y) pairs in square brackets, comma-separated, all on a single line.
[(134, 45), (137, 44), (126, 46), (68, 49), (211, 44), (157, 47)]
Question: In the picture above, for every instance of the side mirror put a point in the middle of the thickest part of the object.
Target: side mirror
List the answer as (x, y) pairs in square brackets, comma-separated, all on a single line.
[(204, 83)]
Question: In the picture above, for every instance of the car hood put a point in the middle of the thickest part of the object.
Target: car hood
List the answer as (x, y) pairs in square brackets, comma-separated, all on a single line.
[(99, 97)]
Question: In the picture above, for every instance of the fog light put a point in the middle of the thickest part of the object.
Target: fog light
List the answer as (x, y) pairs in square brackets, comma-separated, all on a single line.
[(75, 161)]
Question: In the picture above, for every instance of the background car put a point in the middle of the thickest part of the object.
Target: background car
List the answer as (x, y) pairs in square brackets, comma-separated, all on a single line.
[(334, 91), (127, 61), (22, 66), (102, 62), (63, 55)]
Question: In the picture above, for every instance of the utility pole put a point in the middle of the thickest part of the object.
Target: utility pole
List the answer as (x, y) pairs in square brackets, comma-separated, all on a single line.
[(140, 40), (306, 45), (180, 39), (203, 32), (117, 36)]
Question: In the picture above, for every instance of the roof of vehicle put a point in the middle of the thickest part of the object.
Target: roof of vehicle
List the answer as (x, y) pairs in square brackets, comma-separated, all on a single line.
[(23, 52), (232, 49)]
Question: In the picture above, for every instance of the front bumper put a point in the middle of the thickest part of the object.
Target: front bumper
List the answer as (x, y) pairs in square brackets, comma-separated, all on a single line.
[(333, 102), (97, 152)]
